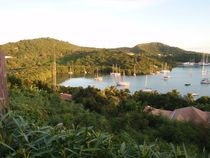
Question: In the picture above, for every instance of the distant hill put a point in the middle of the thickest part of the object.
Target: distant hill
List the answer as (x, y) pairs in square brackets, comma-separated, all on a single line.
[(171, 54), (33, 58), (156, 48)]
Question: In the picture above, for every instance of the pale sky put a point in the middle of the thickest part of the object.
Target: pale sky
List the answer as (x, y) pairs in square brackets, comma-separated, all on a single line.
[(109, 23)]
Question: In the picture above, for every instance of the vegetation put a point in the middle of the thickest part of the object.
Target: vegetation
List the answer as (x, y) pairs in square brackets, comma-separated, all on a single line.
[(164, 52), (97, 123), (28, 140), (33, 58)]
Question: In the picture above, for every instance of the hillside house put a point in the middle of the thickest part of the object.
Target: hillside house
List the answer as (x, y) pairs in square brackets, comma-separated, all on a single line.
[(190, 114)]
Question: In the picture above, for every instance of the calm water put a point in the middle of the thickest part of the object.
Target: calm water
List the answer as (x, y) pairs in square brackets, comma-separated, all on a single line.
[(178, 77)]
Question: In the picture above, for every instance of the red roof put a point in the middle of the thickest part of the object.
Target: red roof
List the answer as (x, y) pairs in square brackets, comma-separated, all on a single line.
[(183, 114), (66, 96)]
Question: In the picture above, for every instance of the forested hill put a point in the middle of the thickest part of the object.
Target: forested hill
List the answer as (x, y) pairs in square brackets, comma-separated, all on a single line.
[(157, 48), (33, 58), (38, 51), (172, 54)]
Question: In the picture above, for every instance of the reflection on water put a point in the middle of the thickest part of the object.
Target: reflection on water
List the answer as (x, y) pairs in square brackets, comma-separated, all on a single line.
[(178, 78)]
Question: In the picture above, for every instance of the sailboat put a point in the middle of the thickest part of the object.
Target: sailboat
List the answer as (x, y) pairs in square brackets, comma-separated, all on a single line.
[(165, 69), (70, 72), (203, 64), (85, 72), (194, 94), (204, 72), (204, 60), (190, 63), (165, 72), (146, 89), (97, 78), (112, 73), (207, 60), (134, 70), (205, 81), (115, 72), (166, 76), (121, 81)]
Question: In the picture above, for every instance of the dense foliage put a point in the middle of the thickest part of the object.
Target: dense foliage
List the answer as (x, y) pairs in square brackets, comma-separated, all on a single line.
[(22, 139), (164, 52), (97, 123), (32, 59)]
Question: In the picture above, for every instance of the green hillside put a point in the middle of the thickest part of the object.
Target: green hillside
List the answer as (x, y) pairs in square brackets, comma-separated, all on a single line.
[(170, 54), (33, 58)]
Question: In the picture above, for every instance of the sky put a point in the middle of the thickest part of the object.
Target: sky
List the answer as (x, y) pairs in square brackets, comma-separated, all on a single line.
[(109, 23)]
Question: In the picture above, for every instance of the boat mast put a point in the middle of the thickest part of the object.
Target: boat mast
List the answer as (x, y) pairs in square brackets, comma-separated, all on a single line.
[(145, 84), (97, 73), (123, 75), (203, 64), (134, 70), (84, 70), (162, 65), (116, 68), (165, 68)]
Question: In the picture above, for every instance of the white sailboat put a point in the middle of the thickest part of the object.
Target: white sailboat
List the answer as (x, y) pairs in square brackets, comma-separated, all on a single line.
[(204, 80), (204, 60), (134, 70), (166, 76), (115, 72), (85, 72), (165, 72), (203, 72), (188, 64), (70, 71), (194, 94), (165, 69), (98, 78), (121, 81), (207, 60), (146, 89)]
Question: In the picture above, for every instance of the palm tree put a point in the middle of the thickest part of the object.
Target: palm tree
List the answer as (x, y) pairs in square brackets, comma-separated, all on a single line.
[(189, 98)]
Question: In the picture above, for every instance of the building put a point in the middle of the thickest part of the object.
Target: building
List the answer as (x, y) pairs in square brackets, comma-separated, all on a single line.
[(66, 96), (3, 82), (190, 114)]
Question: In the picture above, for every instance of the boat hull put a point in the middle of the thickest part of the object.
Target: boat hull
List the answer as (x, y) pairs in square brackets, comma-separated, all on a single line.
[(123, 84)]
